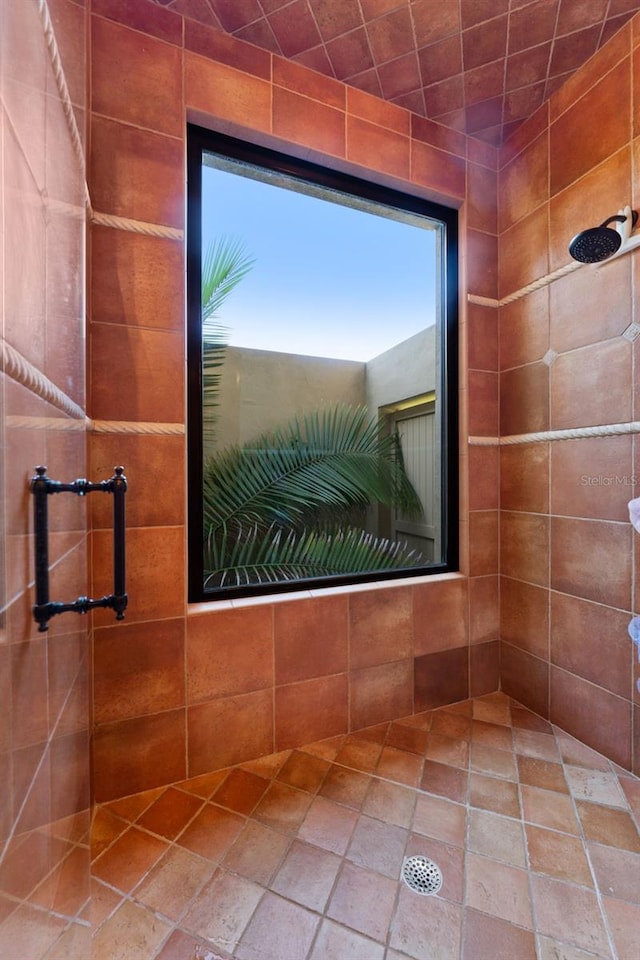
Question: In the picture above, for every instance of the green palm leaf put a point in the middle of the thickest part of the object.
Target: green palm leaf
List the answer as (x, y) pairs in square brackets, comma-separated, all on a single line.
[(251, 556), (224, 266), (328, 461), (282, 507)]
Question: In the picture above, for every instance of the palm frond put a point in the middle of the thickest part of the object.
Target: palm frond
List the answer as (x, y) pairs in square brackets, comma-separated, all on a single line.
[(213, 355), (224, 266), (252, 556), (334, 459)]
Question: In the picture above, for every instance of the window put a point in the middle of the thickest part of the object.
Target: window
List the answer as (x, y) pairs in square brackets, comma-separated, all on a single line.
[(322, 359)]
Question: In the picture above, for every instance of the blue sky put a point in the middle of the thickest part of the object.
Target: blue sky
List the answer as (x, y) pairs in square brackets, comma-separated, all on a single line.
[(328, 280)]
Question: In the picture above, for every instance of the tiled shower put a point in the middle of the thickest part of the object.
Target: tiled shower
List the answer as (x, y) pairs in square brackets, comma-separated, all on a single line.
[(95, 99)]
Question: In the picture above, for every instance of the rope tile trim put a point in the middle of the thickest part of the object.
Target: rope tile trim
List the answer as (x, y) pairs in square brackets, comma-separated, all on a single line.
[(67, 424), (17, 367), (136, 226), (524, 291), (63, 90), (22, 371), (146, 428), (543, 436)]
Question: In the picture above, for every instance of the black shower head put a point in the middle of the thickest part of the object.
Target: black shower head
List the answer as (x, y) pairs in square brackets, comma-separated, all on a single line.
[(599, 243)]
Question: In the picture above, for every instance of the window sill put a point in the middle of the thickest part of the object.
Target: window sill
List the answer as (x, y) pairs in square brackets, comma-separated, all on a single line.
[(213, 606)]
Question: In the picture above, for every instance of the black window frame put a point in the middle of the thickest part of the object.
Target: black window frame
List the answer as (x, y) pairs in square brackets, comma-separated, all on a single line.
[(200, 141)]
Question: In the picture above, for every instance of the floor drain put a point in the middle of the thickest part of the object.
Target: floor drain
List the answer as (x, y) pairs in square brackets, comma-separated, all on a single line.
[(422, 875)]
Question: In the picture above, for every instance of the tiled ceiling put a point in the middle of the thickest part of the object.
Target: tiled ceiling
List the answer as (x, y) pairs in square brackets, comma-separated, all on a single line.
[(479, 66)]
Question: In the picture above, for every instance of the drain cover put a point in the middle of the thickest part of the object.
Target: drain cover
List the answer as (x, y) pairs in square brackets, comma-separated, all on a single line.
[(422, 875)]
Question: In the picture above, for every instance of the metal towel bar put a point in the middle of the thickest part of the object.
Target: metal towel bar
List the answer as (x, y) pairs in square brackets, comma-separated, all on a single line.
[(41, 487)]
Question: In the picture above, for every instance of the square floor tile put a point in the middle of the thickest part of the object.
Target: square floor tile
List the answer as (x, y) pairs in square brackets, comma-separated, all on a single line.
[(170, 813), (624, 919), (345, 786), (426, 927), (278, 929), (241, 791), (445, 781), (283, 807), (617, 872), (441, 749), (400, 766), (378, 846), (132, 931), (498, 889), (453, 725), (129, 859), (359, 754), (411, 739), (549, 809), (337, 943), (389, 802), (569, 914), (597, 786), (487, 936), (328, 825), (608, 825), (558, 855), (498, 837), (542, 773), (363, 900), (212, 832), (440, 818), (170, 886), (304, 771), (530, 743), (257, 852), (491, 734), (222, 910), (489, 793), (307, 875), (494, 762)]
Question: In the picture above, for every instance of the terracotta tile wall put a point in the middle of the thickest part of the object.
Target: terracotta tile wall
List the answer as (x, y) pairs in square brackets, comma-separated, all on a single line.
[(180, 692), (44, 691), (567, 548)]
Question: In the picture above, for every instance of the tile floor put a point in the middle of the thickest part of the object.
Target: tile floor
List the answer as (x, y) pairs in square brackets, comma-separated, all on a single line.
[(297, 856)]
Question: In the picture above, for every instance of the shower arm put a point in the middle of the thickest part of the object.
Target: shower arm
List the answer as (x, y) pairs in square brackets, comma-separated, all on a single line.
[(42, 487)]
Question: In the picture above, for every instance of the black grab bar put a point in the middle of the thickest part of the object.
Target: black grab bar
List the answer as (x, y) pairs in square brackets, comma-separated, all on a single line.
[(41, 486)]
